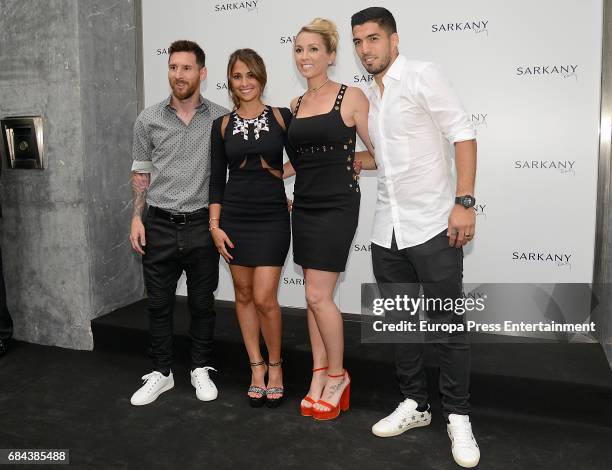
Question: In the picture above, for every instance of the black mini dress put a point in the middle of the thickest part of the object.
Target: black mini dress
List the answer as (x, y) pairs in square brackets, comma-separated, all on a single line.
[(254, 212), (326, 195)]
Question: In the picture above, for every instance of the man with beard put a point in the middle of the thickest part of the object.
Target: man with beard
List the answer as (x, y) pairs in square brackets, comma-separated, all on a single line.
[(171, 173), (420, 225)]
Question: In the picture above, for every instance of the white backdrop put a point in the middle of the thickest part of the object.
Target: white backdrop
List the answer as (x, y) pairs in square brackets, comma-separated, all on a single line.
[(528, 74)]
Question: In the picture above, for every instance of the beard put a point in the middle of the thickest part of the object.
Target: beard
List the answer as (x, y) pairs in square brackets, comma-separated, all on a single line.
[(376, 69), (187, 92)]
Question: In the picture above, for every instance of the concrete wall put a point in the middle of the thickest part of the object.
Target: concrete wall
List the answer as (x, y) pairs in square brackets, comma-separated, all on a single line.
[(66, 258), (109, 106)]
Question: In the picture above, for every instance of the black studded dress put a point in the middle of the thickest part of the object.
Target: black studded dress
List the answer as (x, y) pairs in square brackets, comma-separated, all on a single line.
[(326, 195)]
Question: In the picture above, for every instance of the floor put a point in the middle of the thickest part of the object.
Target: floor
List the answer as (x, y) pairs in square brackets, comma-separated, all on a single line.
[(527, 413)]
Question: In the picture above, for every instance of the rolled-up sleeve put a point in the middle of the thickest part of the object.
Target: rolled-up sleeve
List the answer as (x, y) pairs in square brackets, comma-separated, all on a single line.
[(141, 148), (436, 94), (218, 172)]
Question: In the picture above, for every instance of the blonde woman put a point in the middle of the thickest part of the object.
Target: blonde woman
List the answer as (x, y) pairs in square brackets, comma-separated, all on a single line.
[(322, 134)]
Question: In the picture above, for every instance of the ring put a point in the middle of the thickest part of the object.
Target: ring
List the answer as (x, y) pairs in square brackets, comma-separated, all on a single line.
[(467, 235)]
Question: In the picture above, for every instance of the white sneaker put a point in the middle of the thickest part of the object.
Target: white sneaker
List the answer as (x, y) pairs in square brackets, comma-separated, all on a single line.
[(465, 449), (403, 418), (205, 388), (154, 385)]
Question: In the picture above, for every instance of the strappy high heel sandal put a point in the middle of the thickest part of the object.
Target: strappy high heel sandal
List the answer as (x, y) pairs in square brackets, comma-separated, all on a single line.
[(342, 405), (307, 410), (257, 402), (274, 402)]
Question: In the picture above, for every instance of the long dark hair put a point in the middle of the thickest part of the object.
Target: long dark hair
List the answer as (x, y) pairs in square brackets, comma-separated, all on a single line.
[(255, 64)]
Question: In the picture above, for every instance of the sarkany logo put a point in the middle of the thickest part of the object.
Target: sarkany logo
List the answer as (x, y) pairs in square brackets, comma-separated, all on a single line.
[(563, 71), (250, 6), (566, 167), (479, 119), (476, 27), (560, 260)]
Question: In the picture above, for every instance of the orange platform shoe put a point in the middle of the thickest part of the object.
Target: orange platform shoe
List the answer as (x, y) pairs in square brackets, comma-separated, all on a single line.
[(342, 405), (307, 410)]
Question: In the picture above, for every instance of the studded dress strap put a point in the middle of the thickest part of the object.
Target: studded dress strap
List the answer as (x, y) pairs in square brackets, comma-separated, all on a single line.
[(340, 97), (297, 105)]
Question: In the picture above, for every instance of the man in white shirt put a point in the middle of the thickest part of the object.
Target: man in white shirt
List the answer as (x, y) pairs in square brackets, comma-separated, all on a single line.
[(423, 217)]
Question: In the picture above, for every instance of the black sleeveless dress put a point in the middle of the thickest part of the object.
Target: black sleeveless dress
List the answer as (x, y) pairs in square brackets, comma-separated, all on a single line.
[(254, 211), (326, 195)]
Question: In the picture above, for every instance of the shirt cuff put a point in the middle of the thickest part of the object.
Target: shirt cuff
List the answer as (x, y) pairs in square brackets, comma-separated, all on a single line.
[(462, 136), (142, 167)]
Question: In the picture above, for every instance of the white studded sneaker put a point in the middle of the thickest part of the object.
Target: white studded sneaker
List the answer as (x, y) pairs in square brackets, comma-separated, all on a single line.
[(465, 449), (403, 418), (154, 385), (205, 388)]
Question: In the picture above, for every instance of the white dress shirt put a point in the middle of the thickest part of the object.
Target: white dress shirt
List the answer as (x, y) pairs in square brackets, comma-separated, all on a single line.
[(411, 128)]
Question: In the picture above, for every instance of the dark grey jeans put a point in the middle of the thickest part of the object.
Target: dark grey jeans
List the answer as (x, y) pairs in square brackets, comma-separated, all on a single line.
[(439, 268)]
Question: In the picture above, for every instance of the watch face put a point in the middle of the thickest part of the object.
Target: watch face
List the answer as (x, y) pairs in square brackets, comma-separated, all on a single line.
[(468, 201)]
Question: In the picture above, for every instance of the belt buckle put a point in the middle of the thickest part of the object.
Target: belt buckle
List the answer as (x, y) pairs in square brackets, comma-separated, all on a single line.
[(176, 218)]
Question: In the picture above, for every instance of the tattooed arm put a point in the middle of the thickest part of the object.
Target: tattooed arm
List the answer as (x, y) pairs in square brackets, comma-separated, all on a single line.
[(140, 184)]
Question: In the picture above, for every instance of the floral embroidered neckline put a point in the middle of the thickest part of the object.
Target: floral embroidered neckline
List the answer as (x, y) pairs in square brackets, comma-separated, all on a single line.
[(260, 123)]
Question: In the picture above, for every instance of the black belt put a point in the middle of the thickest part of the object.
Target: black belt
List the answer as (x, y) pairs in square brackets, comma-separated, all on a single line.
[(178, 217)]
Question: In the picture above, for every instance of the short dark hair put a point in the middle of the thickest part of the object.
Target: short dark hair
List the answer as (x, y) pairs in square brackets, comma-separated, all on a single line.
[(188, 46), (379, 15)]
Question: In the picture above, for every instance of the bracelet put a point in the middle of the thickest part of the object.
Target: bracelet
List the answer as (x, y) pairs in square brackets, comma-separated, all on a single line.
[(210, 229), (211, 219)]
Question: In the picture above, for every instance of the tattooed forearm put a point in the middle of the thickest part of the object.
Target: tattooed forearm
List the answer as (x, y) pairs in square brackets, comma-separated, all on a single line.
[(140, 184)]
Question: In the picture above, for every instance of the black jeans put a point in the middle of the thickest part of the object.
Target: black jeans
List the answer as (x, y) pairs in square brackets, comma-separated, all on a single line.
[(439, 268), (170, 249), (6, 322)]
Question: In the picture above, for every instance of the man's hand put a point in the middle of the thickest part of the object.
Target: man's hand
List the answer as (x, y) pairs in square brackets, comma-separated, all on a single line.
[(364, 160), (461, 226), (137, 235)]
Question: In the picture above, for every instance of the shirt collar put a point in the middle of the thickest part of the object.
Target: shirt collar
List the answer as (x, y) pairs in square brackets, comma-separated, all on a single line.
[(395, 71), (203, 106)]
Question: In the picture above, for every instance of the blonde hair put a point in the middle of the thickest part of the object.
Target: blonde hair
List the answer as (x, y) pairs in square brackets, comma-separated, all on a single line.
[(326, 29)]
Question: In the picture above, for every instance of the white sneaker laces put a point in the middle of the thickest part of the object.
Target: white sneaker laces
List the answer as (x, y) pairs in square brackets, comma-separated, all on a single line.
[(202, 372), (400, 412), (151, 378), (462, 435)]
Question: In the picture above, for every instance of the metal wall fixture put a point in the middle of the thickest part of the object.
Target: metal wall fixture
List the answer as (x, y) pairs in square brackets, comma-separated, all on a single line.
[(22, 143)]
